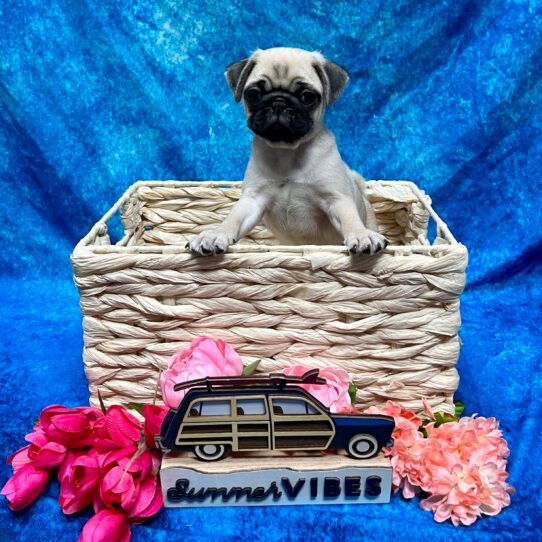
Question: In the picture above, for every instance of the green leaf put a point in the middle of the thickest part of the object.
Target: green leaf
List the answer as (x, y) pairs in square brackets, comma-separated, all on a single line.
[(443, 417), (459, 408), (250, 368), (352, 392), (138, 407)]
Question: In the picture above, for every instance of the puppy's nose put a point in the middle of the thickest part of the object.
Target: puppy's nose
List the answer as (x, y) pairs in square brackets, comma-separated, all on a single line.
[(279, 104)]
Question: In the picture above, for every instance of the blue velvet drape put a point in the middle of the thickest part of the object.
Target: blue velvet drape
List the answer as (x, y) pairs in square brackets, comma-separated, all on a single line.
[(94, 95)]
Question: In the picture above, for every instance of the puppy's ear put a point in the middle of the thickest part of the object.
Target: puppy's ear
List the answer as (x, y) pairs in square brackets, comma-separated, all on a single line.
[(333, 78), (237, 74)]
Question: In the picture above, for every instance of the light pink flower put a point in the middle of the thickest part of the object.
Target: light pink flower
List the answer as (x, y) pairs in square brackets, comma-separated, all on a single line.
[(407, 459), (454, 495), (106, 526), (333, 394), (25, 486), (462, 465), (406, 422), (465, 465), (204, 357), (407, 452)]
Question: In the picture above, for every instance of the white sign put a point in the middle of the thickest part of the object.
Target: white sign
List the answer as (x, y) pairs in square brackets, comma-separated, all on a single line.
[(275, 481)]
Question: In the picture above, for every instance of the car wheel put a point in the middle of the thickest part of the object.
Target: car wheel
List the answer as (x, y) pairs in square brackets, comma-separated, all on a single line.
[(211, 452), (362, 446)]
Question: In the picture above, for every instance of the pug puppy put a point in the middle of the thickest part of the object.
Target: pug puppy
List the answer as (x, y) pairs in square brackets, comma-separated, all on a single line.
[(296, 180)]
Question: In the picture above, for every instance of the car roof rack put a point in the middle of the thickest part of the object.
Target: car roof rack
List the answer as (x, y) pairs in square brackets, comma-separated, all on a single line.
[(274, 380)]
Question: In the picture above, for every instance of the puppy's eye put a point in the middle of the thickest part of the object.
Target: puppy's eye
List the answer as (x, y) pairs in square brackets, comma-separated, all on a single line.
[(308, 97), (252, 95)]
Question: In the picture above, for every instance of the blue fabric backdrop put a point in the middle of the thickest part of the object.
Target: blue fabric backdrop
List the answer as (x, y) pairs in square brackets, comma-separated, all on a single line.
[(94, 95)]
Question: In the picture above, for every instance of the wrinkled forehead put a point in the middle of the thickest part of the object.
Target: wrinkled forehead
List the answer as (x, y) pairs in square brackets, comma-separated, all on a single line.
[(285, 70)]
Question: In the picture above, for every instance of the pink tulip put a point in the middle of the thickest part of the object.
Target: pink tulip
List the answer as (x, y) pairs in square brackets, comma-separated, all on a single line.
[(107, 462), (149, 501), (136, 462), (43, 452), (156, 461), (154, 416), (204, 357), (19, 458), (333, 394), (25, 486), (65, 466), (129, 480), (139, 466), (72, 427), (103, 441), (111, 459), (79, 481), (123, 428), (118, 488), (109, 525)]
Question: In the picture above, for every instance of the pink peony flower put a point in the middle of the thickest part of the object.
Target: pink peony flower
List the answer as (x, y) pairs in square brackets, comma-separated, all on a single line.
[(407, 460), (154, 416), (25, 486), (106, 526), (72, 427), (333, 394), (455, 495), (204, 357), (406, 422), (406, 455), (466, 470), (79, 479)]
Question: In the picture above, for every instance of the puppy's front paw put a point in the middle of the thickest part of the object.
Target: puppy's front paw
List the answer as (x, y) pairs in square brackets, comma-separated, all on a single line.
[(366, 242), (210, 242)]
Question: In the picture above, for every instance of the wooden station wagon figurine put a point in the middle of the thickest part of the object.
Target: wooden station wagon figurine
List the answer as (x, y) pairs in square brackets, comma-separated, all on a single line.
[(223, 414)]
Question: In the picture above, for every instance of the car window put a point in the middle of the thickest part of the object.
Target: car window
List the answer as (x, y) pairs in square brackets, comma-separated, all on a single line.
[(210, 408), (250, 407), (291, 407)]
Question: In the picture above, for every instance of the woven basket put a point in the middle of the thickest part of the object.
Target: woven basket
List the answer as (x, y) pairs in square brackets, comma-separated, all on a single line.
[(390, 320)]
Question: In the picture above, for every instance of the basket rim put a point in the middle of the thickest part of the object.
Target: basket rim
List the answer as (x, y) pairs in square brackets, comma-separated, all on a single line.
[(86, 244)]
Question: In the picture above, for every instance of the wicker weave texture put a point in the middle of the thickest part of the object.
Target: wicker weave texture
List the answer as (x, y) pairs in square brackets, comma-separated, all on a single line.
[(390, 320)]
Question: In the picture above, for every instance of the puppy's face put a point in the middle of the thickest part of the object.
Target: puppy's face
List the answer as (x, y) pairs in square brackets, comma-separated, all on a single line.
[(285, 92)]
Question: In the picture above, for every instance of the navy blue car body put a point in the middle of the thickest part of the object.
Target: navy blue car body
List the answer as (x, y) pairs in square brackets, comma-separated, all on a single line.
[(346, 426)]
